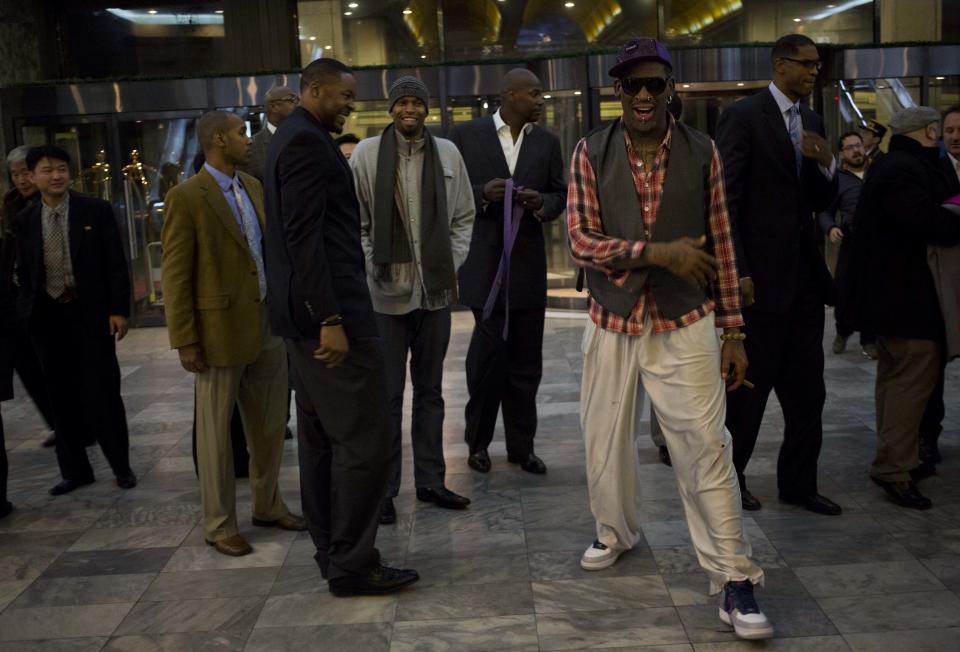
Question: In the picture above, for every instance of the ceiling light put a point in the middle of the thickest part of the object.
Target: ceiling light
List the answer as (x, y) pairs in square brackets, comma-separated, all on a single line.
[(798, 20), (423, 56), (486, 105), (313, 38), (577, 93), (547, 97), (686, 85), (739, 83), (407, 12), (353, 5), (218, 11), (940, 78), (327, 47), (348, 13), (569, 5), (152, 12)]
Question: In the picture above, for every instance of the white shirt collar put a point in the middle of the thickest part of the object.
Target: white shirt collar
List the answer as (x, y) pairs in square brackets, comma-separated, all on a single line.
[(271, 128), (783, 102), (953, 159), (499, 124)]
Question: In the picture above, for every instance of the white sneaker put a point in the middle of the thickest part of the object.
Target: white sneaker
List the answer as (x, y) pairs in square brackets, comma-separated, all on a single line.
[(739, 609), (599, 556)]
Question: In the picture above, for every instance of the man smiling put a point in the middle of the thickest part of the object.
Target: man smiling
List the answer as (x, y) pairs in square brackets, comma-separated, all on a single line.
[(416, 217)]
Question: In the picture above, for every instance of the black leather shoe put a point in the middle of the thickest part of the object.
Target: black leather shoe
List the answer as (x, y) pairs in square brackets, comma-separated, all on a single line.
[(66, 486), (665, 456), (388, 514), (816, 503), (529, 463), (127, 480), (748, 502), (922, 470), (382, 580), (5, 508), (479, 461), (443, 497), (930, 452), (904, 494)]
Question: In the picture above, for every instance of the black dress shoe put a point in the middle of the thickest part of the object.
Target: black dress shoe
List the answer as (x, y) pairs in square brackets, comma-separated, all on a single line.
[(748, 502), (816, 503), (905, 494), (479, 461), (922, 470), (5, 508), (382, 580), (127, 481), (529, 463), (443, 497), (388, 515), (68, 485), (665, 456), (930, 452)]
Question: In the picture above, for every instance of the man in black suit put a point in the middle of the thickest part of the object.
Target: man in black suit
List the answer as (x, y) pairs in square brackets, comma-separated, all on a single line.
[(507, 291), (778, 170), (74, 300), (319, 303)]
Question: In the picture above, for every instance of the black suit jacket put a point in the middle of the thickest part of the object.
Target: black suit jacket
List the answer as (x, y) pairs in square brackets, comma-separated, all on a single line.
[(314, 262), (771, 207), (96, 254), (540, 167)]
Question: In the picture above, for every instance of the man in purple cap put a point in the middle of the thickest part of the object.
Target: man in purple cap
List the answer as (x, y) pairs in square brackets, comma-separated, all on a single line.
[(660, 286)]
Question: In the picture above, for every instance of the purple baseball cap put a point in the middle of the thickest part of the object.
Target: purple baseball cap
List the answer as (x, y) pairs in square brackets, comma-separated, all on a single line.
[(640, 49)]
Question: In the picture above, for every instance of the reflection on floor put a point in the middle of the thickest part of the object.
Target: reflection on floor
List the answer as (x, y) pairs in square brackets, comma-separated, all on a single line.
[(113, 570)]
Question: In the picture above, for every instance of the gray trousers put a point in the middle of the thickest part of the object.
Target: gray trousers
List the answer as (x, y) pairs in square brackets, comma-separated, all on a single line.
[(424, 336), (343, 431)]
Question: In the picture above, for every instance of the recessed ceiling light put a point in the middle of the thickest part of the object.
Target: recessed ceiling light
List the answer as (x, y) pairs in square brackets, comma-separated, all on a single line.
[(798, 20), (423, 56), (486, 105), (327, 47), (577, 93), (407, 12), (831, 6), (547, 97), (218, 11), (313, 38), (739, 83), (569, 5), (348, 13), (152, 12), (353, 5), (940, 78)]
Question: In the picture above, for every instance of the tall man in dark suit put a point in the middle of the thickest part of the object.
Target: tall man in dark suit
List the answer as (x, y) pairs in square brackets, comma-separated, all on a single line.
[(319, 303), (508, 291), (75, 299), (778, 170)]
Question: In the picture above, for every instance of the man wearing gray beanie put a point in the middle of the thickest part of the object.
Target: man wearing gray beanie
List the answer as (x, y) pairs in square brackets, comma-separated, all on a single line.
[(899, 215), (416, 219)]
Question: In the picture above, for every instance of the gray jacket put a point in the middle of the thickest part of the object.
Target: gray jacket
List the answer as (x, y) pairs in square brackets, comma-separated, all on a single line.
[(406, 293)]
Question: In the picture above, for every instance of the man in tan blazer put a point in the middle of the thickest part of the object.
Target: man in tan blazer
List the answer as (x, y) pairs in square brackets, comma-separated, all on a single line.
[(214, 287)]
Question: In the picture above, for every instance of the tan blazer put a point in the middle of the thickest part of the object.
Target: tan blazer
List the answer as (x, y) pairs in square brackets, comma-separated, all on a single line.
[(209, 277)]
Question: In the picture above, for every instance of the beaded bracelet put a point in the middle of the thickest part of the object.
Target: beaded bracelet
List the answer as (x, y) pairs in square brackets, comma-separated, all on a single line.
[(733, 337)]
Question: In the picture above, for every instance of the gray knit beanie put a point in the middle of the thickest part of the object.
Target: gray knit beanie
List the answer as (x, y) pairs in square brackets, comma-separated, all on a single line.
[(408, 86)]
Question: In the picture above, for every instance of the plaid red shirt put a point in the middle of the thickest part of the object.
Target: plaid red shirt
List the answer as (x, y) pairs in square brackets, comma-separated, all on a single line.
[(591, 247)]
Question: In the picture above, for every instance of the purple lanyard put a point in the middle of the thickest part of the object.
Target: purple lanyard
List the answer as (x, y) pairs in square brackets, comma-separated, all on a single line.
[(512, 214)]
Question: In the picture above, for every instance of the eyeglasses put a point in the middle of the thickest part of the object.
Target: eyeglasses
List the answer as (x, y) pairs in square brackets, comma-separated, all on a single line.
[(847, 148), (654, 85), (809, 64)]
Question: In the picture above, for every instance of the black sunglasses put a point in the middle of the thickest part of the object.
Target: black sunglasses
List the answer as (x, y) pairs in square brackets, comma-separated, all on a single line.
[(654, 85), (809, 64)]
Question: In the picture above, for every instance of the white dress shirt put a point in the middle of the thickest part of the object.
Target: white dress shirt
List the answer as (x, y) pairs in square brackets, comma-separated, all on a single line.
[(511, 150), (784, 104), (271, 128)]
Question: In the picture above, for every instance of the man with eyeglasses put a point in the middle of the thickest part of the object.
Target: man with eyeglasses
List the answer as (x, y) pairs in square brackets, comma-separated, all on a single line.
[(280, 103), (779, 170), (647, 219), (837, 224)]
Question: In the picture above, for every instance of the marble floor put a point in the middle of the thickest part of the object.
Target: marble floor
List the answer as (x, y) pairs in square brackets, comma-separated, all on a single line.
[(105, 569)]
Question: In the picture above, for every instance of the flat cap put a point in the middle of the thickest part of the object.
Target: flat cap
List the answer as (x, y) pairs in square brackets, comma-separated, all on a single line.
[(913, 118), (875, 127)]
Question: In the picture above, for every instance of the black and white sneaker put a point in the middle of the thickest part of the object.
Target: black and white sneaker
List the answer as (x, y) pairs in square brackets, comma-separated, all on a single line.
[(739, 609), (599, 556)]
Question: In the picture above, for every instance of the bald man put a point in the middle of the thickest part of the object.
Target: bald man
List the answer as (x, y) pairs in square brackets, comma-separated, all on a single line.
[(279, 104), (507, 289)]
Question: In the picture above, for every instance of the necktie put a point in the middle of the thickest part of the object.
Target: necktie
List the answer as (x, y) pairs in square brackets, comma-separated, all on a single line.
[(794, 127), (54, 254), (250, 231)]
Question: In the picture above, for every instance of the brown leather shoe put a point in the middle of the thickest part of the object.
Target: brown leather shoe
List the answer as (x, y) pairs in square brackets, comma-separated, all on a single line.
[(291, 521), (235, 546)]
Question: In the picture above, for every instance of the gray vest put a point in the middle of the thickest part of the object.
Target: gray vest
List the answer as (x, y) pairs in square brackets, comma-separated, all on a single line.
[(683, 211)]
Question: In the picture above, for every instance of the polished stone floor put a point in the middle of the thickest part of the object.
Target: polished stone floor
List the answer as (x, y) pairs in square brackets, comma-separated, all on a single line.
[(105, 569)]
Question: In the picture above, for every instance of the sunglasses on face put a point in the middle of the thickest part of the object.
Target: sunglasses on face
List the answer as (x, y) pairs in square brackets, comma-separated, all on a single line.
[(809, 64), (654, 85)]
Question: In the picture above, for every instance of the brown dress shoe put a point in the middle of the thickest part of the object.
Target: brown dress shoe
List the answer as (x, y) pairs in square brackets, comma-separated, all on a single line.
[(235, 546), (291, 521)]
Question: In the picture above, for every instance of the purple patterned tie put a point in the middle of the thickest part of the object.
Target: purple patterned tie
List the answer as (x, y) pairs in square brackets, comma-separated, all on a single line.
[(512, 214)]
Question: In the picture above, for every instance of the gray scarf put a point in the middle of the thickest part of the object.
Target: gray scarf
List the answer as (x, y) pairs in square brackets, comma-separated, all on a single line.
[(391, 246)]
